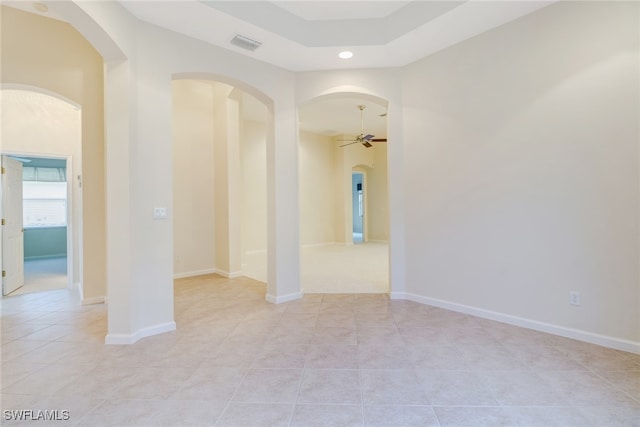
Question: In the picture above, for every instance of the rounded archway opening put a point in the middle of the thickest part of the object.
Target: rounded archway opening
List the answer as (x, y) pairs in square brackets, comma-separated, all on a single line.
[(344, 195), (41, 133), (220, 133)]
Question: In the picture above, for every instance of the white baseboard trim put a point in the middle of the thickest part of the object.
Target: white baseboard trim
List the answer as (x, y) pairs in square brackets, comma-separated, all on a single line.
[(222, 273), (229, 275), (125, 339), (590, 337), (95, 300), (88, 301), (195, 273), (398, 295), (283, 298)]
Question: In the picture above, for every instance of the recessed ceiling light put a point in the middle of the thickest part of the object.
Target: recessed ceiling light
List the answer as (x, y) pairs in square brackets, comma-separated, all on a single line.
[(40, 7), (345, 54)]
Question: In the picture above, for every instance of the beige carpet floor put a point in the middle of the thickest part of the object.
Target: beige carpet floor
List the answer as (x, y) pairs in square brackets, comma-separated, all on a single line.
[(353, 269)]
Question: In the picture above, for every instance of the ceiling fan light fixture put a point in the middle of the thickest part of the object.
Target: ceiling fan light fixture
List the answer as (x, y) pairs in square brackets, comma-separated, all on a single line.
[(345, 54)]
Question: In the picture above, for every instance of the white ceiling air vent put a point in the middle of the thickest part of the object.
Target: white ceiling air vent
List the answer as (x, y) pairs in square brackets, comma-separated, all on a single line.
[(245, 42)]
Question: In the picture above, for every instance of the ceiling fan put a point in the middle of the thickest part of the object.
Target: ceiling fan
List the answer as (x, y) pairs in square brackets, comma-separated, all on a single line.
[(364, 139)]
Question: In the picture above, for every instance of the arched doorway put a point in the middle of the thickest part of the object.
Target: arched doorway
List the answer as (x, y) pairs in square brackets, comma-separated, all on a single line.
[(219, 170), (43, 131), (331, 203)]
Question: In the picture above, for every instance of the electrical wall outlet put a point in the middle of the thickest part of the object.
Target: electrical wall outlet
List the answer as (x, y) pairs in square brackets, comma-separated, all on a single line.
[(574, 298)]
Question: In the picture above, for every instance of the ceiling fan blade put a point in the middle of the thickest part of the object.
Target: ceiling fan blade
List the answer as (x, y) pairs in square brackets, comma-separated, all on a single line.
[(379, 140), (367, 144), (352, 142), (368, 137)]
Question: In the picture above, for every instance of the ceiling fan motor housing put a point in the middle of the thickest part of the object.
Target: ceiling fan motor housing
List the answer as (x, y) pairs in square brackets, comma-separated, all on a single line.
[(362, 138)]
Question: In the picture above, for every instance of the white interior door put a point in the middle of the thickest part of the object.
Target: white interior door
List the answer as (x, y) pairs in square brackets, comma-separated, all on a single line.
[(12, 232)]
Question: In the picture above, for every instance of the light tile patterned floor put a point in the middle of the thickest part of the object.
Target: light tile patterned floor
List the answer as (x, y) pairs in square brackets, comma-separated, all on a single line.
[(325, 360)]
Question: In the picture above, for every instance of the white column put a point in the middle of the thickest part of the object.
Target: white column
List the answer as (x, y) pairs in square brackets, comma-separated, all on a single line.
[(139, 180), (117, 152), (283, 282)]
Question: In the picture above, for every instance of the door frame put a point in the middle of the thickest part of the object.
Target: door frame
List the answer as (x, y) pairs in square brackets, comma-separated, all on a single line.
[(69, 207), (359, 170), (13, 228)]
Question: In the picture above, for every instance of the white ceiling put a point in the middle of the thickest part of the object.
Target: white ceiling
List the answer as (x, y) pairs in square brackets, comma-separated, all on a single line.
[(336, 116), (330, 117), (318, 10), (305, 35)]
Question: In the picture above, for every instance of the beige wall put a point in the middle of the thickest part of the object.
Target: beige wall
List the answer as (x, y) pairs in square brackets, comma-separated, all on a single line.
[(521, 160), (378, 198), (373, 162), (32, 55), (317, 183), (193, 175), (253, 158), (325, 189), (223, 169)]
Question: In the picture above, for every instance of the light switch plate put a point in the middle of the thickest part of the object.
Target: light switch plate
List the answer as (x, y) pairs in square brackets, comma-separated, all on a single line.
[(159, 213)]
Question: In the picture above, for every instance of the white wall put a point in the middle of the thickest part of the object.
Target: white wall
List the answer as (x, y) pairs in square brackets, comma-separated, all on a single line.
[(521, 160)]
